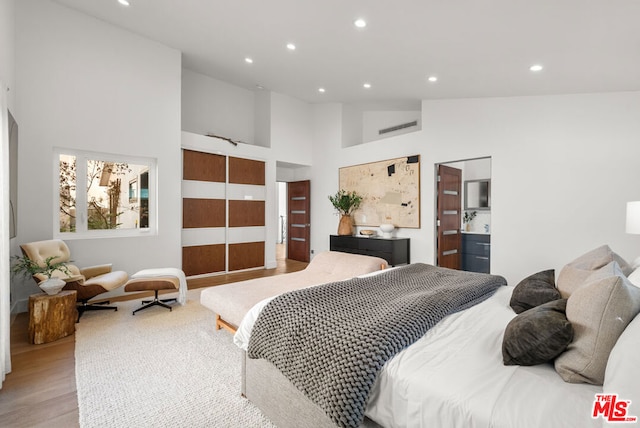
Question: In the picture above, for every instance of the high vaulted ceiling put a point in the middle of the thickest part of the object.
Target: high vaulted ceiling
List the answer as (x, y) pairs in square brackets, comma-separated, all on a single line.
[(476, 48)]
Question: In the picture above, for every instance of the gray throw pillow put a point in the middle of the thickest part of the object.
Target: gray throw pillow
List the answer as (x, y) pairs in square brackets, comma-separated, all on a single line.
[(537, 335), (534, 290), (599, 311)]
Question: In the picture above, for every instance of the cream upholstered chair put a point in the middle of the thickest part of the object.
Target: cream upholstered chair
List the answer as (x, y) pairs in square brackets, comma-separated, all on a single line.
[(88, 282)]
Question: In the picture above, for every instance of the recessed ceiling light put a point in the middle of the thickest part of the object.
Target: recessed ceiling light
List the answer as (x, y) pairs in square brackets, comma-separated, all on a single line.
[(124, 2), (259, 87), (321, 90), (291, 46), (367, 85), (536, 67), (432, 79), (360, 23), (248, 60)]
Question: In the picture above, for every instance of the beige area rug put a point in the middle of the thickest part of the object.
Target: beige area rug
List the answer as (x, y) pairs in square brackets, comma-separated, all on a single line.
[(159, 369)]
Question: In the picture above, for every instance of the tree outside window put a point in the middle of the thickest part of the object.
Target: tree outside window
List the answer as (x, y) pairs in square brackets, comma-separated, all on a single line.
[(109, 204)]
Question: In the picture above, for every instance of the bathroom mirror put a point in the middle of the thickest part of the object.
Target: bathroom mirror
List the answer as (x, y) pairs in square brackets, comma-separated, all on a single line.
[(477, 194)]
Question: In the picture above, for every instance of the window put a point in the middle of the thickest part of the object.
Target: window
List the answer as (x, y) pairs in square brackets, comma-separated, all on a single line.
[(103, 195)]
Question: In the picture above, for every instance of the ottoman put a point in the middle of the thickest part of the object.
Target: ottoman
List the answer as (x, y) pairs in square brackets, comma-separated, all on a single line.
[(156, 280)]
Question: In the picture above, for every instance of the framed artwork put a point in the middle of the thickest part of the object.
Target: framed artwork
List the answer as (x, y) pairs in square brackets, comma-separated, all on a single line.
[(390, 190)]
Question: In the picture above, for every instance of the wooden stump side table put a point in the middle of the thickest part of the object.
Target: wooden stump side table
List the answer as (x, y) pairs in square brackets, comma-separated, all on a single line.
[(52, 317)]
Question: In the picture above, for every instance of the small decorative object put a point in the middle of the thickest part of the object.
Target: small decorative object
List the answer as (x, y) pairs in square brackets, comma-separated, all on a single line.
[(468, 218), (367, 232), (25, 266), (52, 286), (345, 203), (386, 229)]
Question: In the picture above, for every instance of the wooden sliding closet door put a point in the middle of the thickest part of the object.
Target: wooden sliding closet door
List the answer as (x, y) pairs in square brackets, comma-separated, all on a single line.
[(246, 195), (223, 211), (204, 214)]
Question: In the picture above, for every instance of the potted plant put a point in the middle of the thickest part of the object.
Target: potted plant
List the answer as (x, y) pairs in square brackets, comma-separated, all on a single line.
[(468, 218), (23, 265), (345, 203)]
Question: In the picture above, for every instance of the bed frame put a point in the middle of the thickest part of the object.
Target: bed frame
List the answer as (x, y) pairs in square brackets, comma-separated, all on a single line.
[(279, 400), (220, 324)]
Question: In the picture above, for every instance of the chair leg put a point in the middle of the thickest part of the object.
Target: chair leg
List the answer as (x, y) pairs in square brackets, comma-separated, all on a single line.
[(85, 306), (155, 302)]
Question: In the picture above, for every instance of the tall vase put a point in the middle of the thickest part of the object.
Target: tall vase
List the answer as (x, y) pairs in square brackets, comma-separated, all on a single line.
[(346, 225)]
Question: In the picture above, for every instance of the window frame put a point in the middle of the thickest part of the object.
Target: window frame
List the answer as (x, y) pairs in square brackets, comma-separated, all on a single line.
[(82, 231)]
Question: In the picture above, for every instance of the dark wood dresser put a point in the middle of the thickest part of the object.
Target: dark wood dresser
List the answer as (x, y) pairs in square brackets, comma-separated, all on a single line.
[(396, 251)]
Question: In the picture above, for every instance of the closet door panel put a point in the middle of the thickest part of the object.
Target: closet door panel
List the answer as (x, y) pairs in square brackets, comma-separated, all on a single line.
[(200, 166), (197, 213), (202, 259), (246, 213), (246, 255), (246, 171)]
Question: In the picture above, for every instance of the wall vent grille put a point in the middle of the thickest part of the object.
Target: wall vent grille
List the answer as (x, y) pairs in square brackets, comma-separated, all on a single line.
[(398, 127)]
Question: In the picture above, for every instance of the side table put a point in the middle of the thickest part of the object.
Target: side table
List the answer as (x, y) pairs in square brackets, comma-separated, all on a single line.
[(52, 317)]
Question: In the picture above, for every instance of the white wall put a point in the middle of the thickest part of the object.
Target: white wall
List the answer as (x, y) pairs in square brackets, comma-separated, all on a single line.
[(88, 85), (7, 49), (210, 106), (562, 170), (291, 124)]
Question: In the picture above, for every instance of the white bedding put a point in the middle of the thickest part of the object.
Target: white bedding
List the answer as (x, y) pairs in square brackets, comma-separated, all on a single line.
[(454, 377)]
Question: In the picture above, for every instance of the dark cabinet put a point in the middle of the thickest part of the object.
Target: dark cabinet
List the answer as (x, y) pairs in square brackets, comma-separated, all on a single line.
[(396, 251), (476, 252)]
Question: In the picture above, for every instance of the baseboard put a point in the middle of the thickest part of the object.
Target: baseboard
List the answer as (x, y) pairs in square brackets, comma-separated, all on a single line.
[(271, 264)]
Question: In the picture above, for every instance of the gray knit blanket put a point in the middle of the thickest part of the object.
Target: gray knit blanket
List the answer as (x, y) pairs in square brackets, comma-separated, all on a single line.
[(331, 340)]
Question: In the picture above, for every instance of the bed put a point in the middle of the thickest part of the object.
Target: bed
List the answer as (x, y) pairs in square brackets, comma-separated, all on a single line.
[(454, 375), (230, 302)]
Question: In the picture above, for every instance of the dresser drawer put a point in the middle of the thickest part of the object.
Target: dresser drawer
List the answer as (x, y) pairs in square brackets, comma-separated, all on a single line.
[(476, 252), (476, 244), (475, 263), (395, 251)]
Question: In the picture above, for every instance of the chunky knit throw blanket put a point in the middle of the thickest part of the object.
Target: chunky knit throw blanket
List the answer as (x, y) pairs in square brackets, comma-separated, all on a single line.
[(331, 340)]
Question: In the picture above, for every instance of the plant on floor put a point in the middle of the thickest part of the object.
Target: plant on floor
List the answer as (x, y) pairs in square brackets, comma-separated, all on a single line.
[(23, 265), (345, 202)]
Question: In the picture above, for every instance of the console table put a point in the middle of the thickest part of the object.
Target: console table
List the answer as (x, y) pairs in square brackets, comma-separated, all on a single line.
[(396, 251)]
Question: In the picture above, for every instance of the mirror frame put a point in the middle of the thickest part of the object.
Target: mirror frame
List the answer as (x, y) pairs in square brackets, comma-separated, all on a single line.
[(466, 195)]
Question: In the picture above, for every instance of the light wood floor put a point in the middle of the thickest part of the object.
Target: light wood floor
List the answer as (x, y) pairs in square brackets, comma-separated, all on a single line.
[(41, 389)]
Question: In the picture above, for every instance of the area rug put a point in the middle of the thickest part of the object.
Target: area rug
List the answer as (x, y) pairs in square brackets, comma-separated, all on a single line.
[(159, 369)]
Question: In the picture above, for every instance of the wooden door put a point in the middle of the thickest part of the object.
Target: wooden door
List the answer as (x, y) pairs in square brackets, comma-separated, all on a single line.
[(299, 221), (449, 205)]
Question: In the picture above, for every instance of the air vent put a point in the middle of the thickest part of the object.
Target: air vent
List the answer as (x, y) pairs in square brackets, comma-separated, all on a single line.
[(398, 127)]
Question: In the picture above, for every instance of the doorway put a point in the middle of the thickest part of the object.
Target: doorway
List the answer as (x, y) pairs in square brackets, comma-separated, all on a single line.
[(299, 220), (462, 228), (281, 237)]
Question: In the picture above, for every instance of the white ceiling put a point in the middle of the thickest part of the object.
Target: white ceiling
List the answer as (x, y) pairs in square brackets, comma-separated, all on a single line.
[(477, 48)]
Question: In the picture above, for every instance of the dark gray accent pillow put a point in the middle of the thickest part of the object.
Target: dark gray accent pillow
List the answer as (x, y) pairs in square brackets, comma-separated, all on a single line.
[(537, 335), (534, 290)]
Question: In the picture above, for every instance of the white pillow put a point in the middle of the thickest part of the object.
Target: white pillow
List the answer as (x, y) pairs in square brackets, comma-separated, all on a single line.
[(636, 263), (622, 368)]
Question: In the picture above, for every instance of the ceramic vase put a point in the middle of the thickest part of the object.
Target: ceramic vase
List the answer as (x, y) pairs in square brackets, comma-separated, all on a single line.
[(386, 229), (52, 286), (346, 225)]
